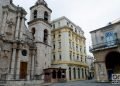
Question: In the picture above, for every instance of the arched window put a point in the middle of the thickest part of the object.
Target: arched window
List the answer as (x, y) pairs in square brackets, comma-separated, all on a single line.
[(46, 16), (45, 39), (33, 32), (35, 14)]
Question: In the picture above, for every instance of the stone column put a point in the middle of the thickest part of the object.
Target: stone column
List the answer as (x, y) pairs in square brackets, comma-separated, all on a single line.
[(11, 75), (96, 71), (67, 73), (18, 62), (18, 65), (4, 22), (22, 25), (80, 73), (17, 27), (33, 64), (101, 72)]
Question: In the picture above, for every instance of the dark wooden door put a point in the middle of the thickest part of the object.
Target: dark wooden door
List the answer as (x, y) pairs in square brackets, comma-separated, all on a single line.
[(23, 70)]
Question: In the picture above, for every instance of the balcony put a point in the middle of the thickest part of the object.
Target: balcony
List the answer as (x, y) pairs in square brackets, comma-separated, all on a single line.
[(104, 45)]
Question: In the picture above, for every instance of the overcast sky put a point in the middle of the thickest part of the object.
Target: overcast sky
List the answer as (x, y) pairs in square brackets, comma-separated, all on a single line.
[(88, 14)]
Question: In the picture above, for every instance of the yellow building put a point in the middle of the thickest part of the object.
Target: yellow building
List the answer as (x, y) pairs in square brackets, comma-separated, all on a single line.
[(69, 49)]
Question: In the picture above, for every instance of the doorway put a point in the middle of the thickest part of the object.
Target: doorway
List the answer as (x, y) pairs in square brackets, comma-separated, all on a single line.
[(23, 70)]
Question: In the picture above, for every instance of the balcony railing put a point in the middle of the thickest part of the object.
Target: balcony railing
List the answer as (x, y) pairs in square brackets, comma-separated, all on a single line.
[(104, 45)]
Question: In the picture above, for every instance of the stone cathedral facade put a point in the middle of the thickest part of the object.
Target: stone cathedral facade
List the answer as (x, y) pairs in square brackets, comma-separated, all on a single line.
[(24, 52)]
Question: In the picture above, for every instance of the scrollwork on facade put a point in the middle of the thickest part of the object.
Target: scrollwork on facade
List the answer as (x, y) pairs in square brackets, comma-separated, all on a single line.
[(10, 24)]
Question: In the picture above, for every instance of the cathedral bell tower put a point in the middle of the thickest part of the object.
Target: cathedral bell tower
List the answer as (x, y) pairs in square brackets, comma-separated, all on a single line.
[(40, 27)]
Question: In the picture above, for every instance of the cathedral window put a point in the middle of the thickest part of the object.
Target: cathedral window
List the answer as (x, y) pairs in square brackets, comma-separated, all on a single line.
[(45, 36), (24, 52), (35, 14), (46, 16)]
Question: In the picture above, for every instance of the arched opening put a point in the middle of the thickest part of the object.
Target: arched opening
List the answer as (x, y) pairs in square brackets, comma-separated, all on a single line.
[(33, 32), (112, 62), (46, 16), (74, 71), (79, 73), (54, 74), (59, 74), (70, 73), (35, 14), (45, 39), (82, 73)]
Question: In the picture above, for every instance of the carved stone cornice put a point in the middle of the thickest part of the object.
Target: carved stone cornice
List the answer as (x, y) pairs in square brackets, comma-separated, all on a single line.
[(39, 19)]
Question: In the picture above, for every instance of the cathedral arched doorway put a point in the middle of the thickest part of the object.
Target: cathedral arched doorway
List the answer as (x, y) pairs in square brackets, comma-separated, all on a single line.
[(112, 62)]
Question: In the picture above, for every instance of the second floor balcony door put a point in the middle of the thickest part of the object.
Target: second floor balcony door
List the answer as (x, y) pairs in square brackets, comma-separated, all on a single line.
[(109, 38)]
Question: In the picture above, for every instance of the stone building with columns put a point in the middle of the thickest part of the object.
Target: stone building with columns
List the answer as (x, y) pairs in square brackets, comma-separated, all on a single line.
[(106, 50), (24, 52)]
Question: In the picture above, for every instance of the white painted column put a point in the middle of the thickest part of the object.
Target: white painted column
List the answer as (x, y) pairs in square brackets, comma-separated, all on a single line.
[(17, 27), (4, 22), (22, 25), (84, 73), (67, 73)]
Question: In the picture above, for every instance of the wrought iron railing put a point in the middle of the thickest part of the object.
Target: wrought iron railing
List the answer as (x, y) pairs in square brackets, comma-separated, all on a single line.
[(104, 45)]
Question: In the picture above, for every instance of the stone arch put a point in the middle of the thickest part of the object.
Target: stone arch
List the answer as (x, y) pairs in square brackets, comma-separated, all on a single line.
[(112, 62)]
